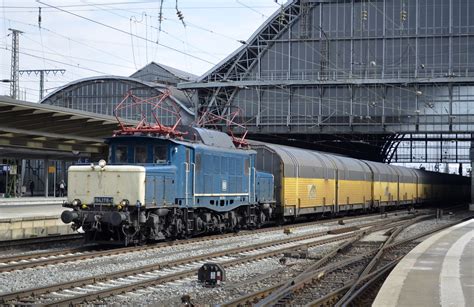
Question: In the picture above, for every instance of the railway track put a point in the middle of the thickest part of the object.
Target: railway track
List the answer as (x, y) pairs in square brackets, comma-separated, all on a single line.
[(24, 261), (52, 239), (332, 281), (98, 287)]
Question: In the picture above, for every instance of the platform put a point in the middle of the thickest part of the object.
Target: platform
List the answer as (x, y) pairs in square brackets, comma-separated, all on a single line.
[(31, 217), (438, 272), (30, 207)]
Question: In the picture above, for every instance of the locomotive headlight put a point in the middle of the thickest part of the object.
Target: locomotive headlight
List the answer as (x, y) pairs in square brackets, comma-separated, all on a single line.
[(102, 163), (76, 202), (124, 203)]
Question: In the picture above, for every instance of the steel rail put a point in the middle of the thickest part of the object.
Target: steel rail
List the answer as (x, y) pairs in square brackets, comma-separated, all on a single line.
[(373, 277), (332, 298), (283, 291), (153, 281), (192, 272), (377, 225), (45, 254), (270, 293), (282, 287), (49, 258), (376, 259), (40, 240), (257, 297), (36, 291)]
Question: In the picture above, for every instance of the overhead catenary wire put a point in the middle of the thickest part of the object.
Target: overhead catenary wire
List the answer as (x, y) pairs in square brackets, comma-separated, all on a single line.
[(82, 43), (125, 32), (180, 14), (174, 37), (252, 9), (152, 2), (5, 27), (132, 45), (160, 25), (188, 23), (56, 61), (106, 9), (68, 57)]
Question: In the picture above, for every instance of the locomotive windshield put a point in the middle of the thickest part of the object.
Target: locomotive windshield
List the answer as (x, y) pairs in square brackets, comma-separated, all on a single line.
[(121, 154), (140, 154), (160, 154), (128, 150)]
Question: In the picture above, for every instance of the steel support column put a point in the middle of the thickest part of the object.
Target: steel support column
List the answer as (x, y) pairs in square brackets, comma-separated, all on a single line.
[(471, 206), (46, 177)]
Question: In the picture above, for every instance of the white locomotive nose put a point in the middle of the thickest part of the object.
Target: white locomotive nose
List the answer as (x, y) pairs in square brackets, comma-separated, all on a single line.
[(102, 163)]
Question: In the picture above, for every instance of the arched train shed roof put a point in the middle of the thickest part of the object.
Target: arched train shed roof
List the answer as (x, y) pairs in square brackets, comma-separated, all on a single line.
[(99, 94)]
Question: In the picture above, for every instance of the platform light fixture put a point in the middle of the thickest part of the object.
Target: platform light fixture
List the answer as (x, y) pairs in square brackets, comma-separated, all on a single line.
[(102, 163)]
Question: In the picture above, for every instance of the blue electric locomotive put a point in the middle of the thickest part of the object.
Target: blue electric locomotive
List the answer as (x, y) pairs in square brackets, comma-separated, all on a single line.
[(155, 188)]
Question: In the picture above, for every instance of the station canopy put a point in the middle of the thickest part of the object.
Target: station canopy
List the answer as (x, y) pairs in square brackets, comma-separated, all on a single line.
[(37, 131)]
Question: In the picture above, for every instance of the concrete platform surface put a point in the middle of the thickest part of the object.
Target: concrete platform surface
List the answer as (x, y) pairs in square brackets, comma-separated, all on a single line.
[(437, 272), (11, 208), (31, 217), (31, 201)]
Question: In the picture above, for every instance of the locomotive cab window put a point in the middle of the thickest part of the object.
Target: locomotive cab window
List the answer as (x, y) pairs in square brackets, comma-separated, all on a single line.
[(121, 154), (140, 154), (160, 154)]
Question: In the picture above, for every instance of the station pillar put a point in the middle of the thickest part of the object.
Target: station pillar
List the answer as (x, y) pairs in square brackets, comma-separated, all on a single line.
[(63, 171), (471, 205), (46, 177)]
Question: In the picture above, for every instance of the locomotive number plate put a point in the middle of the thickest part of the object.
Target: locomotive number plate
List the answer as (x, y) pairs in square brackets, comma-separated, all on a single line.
[(103, 200)]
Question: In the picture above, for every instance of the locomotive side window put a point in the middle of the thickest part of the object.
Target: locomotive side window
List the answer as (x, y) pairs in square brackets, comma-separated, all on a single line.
[(121, 154), (140, 154), (160, 154), (198, 162), (188, 156), (246, 167)]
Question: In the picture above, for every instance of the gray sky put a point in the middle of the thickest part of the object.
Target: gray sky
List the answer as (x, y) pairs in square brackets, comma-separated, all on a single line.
[(85, 48)]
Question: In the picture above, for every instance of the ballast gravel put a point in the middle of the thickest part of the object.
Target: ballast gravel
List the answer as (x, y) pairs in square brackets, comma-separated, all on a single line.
[(54, 274), (428, 225), (240, 280)]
